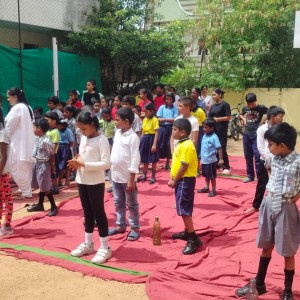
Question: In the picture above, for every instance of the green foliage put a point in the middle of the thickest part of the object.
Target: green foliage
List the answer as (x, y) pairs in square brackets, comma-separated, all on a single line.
[(250, 43), (132, 51)]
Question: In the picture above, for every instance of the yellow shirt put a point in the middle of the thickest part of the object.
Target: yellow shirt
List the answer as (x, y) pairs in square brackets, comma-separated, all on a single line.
[(54, 137), (185, 153), (150, 125), (200, 115)]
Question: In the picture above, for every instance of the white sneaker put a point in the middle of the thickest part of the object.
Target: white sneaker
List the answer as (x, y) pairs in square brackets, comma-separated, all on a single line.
[(5, 231), (83, 249), (102, 256), (226, 172)]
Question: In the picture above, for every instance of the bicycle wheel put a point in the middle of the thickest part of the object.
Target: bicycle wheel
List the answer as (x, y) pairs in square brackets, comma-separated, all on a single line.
[(235, 134)]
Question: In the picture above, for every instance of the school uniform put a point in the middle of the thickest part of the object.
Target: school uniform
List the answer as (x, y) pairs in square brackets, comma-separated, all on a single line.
[(279, 222), (150, 126)]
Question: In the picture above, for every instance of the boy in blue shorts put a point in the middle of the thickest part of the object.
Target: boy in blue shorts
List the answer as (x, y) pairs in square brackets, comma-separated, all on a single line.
[(210, 146), (183, 179), (279, 223)]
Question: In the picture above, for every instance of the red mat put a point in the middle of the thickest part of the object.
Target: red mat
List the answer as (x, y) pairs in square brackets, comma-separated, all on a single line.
[(227, 260)]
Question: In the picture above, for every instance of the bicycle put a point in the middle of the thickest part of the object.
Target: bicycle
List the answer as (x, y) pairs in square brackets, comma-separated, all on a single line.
[(235, 126)]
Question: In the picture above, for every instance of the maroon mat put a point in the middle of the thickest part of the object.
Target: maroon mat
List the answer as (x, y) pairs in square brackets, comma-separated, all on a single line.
[(227, 260)]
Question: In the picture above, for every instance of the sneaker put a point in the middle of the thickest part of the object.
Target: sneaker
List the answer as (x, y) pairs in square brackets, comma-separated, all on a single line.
[(102, 256), (287, 296), (226, 172), (5, 231), (83, 249)]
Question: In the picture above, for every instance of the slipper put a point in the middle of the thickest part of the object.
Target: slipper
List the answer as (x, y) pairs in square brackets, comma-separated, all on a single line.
[(133, 236)]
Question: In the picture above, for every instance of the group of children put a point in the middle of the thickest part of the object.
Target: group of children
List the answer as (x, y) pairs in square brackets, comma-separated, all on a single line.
[(123, 148)]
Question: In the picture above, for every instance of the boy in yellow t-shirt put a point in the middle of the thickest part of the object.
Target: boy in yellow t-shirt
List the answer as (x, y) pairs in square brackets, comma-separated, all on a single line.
[(183, 179)]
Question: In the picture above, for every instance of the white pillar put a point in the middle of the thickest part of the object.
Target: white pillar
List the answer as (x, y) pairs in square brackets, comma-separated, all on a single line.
[(297, 30), (55, 66)]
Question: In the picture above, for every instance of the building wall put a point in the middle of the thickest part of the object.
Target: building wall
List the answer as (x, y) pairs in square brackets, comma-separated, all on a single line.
[(54, 14)]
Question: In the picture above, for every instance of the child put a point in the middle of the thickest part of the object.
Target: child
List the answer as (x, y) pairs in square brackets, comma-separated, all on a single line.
[(6, 199), (279, 223), (38, 113), (125, 159), (89, 97), (183, 179), (107, 125), (252, 116), (53, 106), (129, 101), (97, 107), (137, 110), (64, 151), (146, 97), (54, 136), (116, 105), (148, 144), (61, 105), (185, 106), (166, 115), (275, 116), (41, 172), (92, 160), (209, 148), (73, 99)]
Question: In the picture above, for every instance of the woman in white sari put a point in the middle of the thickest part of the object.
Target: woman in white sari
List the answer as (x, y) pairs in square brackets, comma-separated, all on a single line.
[(18, 125)]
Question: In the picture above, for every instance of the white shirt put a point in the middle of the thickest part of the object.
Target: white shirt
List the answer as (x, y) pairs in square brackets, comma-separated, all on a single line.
[(4, 139), (95, 153), (262, 143), (195, 126), (125, 156)]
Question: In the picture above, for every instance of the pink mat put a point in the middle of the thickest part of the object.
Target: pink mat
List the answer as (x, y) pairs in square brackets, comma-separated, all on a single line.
[(227, 260)]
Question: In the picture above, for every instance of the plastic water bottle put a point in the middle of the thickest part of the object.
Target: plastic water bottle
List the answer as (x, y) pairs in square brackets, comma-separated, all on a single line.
[(156, 232), (252, 293)]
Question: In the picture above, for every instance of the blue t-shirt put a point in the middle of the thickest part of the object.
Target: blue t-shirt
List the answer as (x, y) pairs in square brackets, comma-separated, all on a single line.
[(167, 113), (209, 146)]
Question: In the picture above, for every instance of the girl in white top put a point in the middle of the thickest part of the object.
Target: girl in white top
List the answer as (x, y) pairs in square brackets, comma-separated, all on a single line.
[(91, 162)]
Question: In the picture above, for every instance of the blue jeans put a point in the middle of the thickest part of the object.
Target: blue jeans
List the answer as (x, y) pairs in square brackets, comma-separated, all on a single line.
[(123, 198), (250, 152)]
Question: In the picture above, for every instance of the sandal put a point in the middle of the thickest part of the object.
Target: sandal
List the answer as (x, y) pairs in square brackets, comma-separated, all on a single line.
[(115, 230), (133, 235), (141, 178), (152, 181), (204, 190)]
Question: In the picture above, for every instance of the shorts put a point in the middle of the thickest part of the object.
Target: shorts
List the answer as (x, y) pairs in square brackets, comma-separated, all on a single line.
[(209, 171), (184, 194), (41, 176), (281, 230)]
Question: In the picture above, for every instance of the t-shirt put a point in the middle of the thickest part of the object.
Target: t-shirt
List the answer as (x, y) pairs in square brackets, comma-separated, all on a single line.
[(209, 146), (150, 125), (253, 118), (108, 128), (199, 114), (89, 99), (195, 126), (159, 100), (185, 153), (54, 136), (66, 136), (217, 110)]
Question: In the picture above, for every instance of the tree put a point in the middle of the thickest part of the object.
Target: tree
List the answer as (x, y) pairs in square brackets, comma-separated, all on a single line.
[(250, 43), (132, 51)]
